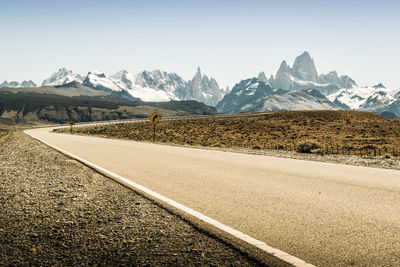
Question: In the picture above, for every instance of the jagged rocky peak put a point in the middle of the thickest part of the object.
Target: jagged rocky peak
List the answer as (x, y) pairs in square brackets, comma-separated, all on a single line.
[(262, 77), (303, 75), (284, 67), (331, 77), (271, 80), (198, 75), (379, 86), (304, 68), (14, 84), (29, 83), (4, 84), (282, 77), (124, 79), (198, 71), (198, 78), (203, 89), (347, 82)]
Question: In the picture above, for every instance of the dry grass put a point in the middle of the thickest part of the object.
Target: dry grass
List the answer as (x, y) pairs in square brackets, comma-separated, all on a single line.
[(337, 132), (3, 134)]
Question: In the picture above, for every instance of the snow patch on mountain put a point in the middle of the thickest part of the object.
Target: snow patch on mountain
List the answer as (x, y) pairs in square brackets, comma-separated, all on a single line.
[(298, 100), (363, 97), (98, 80), (148, 94), (154, 86), (61, 77)]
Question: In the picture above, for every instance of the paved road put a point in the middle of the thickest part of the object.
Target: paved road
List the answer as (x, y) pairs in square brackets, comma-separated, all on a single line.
[(326, 214)]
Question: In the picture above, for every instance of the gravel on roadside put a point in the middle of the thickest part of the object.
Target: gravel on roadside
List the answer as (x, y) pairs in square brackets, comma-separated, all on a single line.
[(384, 162), (55, 211)]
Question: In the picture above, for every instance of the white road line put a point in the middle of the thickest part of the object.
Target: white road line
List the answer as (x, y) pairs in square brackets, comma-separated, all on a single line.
[(242, 236)]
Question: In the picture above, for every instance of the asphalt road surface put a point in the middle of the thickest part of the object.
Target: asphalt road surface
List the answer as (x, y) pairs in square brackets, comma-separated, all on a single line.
[(326, 214)]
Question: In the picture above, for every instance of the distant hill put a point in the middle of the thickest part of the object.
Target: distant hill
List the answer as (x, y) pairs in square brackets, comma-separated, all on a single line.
[(70, 90), (388, 115), (21, 106)]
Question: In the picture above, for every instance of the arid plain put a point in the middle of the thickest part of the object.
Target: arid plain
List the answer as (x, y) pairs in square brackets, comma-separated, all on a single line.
[(332, 132)]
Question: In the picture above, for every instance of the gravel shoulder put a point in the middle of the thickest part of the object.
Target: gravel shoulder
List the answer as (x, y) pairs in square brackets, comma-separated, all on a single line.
[(55, 211), (384, 162)]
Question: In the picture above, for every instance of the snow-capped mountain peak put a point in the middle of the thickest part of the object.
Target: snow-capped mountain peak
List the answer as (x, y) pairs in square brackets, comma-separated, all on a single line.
[(379, 86), (119, 74), (15, 84), (124, 79), (61, 77), (365, 98), (254, 95)]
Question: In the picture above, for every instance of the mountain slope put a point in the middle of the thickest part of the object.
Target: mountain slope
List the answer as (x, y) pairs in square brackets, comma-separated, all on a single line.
[(375, 98)]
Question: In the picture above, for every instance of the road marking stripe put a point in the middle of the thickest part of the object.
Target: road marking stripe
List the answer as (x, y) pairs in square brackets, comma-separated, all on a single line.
[(242, 236)]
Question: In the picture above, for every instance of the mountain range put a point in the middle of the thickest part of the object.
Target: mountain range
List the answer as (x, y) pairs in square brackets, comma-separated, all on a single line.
[(300, 87), (150, 86), (296, 87)]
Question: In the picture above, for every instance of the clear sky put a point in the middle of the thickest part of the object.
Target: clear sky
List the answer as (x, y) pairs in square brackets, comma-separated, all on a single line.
[(229, 40)]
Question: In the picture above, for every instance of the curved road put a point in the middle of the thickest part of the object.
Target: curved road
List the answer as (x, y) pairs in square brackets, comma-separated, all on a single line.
[(326, 214)]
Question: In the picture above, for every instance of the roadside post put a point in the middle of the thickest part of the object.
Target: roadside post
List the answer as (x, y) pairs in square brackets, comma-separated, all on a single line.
[(154, 118), (71, 123)]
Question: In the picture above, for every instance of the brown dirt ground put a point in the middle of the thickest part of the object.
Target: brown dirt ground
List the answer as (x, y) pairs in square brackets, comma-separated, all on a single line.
[(338, 132)]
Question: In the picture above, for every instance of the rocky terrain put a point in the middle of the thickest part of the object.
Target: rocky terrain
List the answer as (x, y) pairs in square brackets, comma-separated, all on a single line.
[(57, 212)]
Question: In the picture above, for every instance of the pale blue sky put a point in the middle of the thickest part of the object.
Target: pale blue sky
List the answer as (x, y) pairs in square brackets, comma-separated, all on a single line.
[(229, 40)]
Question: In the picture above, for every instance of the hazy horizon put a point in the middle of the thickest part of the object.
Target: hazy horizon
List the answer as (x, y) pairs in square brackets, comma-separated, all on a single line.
[(229, 40)]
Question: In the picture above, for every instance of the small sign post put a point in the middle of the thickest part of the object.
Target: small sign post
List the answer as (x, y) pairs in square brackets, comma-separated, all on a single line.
[(71, 123), (154, 118)]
